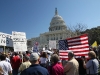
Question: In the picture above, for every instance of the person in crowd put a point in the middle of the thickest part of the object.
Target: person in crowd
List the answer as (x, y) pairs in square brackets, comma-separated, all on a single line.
[(82, 70), (25, 64), (49, 56), (35, 68), (99, 53), (44, 60), (56, 52), (1, 71), (95, 50), (7, 58), (5, 66), (72, 66), (20, 54), (92, 65), (11, 55), (15, 62), (60, 62), (55, 68), (28, 53), (64, 62)]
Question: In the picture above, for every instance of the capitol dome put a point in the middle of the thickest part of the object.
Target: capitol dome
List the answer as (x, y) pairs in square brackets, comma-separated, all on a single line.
[(57, 22), (57, 17)]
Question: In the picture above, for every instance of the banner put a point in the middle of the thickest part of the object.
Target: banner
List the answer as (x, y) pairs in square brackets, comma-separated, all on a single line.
[(6, 40), (52, 44), (19, 41)]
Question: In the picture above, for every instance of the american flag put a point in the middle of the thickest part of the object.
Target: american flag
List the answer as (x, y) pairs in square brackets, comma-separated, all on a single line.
[(79, 45)]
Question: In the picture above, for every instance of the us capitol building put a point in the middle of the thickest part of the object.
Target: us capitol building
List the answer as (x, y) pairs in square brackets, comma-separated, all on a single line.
[(57, 31)]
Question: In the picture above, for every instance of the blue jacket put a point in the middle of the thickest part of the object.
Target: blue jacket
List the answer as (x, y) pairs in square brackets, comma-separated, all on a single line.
[(35, 69)]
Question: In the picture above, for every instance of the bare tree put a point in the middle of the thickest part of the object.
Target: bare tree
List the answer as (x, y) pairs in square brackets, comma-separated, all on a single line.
[(77, 29), (71, 30)]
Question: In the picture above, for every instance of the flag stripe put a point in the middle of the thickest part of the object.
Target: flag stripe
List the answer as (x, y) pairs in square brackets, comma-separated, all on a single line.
[(74, 53), (78, 43), (84, 35), (79, 46), (67, 57), (77, 39), (79, 49)]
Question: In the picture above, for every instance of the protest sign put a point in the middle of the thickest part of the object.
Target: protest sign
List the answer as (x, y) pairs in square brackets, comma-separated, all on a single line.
[(52, 44), (19, 41), (6, 40)]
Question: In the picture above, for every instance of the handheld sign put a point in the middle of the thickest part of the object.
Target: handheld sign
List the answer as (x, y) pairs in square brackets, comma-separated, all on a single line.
[(19, 41)]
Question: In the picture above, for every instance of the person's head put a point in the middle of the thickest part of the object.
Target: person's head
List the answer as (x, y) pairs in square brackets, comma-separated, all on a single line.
[(91, 49), (94, 48), (34, 58), (20, 53), (27, 52), (26, 58), (2, 57), (70, 55), (44, 55), (55, 58), (15, 53), (92, 55)]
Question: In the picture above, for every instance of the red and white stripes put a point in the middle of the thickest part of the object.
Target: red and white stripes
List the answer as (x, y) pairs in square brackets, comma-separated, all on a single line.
[(79, 45)]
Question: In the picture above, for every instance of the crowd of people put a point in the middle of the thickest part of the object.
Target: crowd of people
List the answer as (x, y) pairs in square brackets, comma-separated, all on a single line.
[(43, 63)]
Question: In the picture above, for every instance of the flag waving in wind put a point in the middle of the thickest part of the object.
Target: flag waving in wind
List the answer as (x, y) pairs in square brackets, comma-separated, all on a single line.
[(94, 44), (79, 45)]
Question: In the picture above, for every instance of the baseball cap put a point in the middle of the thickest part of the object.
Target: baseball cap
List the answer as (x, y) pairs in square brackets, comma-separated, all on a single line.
[(34, 56)]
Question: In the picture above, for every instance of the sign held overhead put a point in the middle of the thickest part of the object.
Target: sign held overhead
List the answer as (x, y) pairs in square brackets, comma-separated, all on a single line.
[(19, 41), (6, 40)]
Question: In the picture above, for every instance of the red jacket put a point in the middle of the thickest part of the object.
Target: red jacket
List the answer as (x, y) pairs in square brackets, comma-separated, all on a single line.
[(15, 62), (56, 69)]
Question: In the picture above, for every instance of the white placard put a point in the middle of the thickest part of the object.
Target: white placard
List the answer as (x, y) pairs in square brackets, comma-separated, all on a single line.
[(6, 40), (52, 44), (19, 41)]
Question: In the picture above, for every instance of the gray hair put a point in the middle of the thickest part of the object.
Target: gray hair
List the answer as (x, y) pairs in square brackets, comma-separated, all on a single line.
[(26, 57), (71, 54)]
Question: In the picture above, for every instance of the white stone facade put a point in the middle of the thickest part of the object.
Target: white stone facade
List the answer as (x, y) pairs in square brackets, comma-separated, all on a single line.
[(57, 31)]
